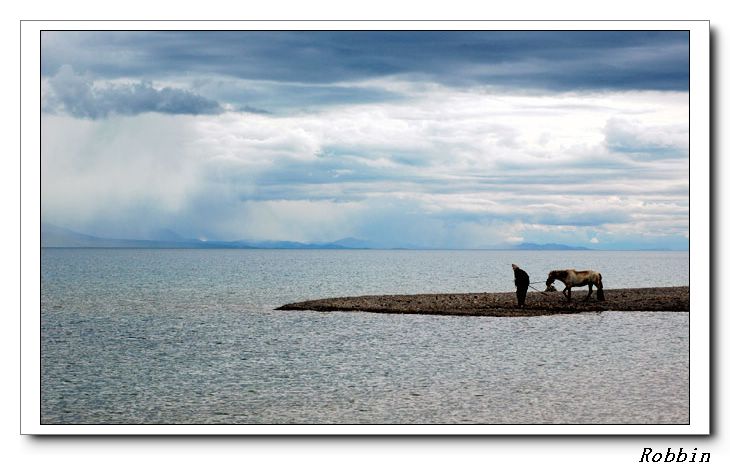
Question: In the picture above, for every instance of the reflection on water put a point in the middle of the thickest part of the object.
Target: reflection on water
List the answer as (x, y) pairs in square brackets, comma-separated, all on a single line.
[(191, 337)]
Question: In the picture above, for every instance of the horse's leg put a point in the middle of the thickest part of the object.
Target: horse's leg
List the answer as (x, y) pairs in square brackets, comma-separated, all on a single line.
[(590, 291), (567, 295), (599, 291)]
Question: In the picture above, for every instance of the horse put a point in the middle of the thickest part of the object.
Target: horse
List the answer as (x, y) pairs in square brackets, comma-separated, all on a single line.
[(573, 278)]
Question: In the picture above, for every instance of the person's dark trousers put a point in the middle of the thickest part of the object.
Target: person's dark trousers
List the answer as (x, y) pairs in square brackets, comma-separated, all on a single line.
[(521, 294)]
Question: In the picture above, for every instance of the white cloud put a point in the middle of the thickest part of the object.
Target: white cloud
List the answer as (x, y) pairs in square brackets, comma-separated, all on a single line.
[(462, 167)]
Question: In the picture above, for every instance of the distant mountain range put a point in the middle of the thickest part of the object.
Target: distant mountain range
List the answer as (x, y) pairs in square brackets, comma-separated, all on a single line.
[(56, 236)]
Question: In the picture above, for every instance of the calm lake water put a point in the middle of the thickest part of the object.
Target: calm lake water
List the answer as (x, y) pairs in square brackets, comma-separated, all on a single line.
[(145, 336)]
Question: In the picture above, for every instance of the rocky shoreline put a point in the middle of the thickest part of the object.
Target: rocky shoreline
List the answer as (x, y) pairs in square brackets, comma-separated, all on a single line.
[(504, 304)]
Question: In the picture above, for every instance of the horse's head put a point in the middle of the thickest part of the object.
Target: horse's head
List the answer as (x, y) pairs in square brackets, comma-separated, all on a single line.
[(551, 278)]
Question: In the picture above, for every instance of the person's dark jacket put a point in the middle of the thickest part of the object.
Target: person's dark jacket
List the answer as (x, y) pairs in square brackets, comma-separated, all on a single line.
[(521, 278)]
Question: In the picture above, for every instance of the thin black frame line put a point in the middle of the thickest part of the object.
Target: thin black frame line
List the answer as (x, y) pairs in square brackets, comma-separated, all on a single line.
[(20, 230), (358, 31), (689, 226), (373, 20)]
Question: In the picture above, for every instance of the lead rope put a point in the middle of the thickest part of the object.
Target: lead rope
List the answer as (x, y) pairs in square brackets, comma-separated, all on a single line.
[(542, 291)]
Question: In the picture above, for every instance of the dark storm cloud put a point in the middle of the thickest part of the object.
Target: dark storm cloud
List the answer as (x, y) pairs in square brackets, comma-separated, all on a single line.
[(559, 60), (79, 97)]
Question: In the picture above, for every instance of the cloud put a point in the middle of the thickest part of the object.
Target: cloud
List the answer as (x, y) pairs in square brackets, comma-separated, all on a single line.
[(447, 167), (137, 171), (76, 95), (439, 139), (252, 110), (308, 66), (647, 141)]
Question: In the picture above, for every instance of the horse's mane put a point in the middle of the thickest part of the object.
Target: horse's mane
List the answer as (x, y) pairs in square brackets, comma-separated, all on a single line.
[(559, 274)]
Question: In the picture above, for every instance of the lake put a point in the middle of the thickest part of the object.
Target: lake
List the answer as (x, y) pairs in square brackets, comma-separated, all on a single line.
[(177, 336)]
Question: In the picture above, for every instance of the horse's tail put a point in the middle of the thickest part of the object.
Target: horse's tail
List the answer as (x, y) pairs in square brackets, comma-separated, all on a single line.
[(599, 288)]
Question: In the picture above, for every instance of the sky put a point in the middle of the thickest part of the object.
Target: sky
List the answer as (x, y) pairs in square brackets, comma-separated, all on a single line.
[(453, 139)]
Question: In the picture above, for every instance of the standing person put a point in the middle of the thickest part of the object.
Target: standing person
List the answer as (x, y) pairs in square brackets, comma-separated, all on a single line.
[(522, 281)]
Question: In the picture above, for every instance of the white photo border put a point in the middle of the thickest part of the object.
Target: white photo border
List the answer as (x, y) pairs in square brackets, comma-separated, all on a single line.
[(699, 178)]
